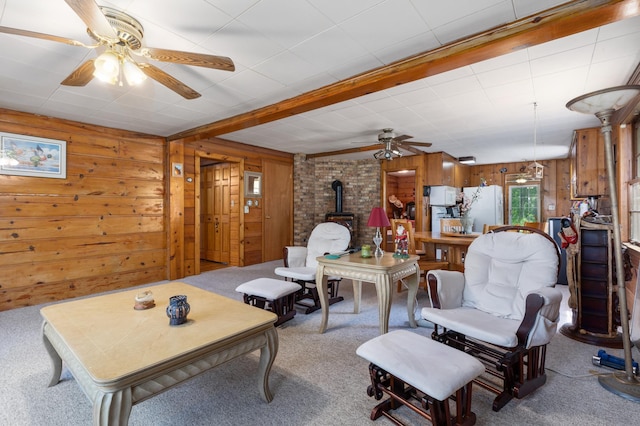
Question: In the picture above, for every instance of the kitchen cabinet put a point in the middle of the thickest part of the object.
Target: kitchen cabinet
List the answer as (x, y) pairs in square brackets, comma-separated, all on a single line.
[(443, 169), (588, 165)]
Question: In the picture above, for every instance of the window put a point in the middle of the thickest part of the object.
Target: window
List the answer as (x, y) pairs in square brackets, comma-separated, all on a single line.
[(524, 204)]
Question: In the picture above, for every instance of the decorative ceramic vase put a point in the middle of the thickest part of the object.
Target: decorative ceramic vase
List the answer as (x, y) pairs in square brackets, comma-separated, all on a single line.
[(467, 224), (178, 309)]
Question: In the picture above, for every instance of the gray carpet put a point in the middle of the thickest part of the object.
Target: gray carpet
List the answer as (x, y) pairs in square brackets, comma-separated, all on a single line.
[(317, 379)]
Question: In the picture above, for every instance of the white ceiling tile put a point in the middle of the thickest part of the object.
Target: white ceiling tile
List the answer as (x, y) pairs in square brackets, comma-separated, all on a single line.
[(618, 47), (456, 87), (477, 22), (505, 75), (339, 11), (420, 43), (501, 61), (233, 7), (437, 13), (525, 8), (194, 20), (328, 48), (251, 83), (286, 67), (243, 45), (564, 44), (620, 28), (385, 24), (562, 61), (448, 76), (274, 20)]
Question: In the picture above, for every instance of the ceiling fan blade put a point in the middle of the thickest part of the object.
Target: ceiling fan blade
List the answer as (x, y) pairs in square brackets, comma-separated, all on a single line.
[(189, 58), (346, 151), (94, 19), (163, 78), (425, 144), (81, 75), (402, 138), (34, 34)]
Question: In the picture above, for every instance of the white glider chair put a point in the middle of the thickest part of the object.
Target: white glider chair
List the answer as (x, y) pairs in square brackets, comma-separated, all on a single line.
[(503, 308), (300, 263)]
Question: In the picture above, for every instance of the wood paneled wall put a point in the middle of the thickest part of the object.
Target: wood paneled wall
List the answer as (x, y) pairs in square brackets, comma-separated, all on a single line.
[(102, 228)]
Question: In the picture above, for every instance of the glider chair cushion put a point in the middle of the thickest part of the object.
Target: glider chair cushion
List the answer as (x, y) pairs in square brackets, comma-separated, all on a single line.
[(300, 263), (503, 308)]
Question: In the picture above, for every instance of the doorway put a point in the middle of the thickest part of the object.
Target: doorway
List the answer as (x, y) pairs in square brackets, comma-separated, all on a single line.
[(217, 214), (215, 191)]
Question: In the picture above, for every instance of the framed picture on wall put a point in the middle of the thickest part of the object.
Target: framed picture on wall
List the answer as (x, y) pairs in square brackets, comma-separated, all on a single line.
[(31, 156)]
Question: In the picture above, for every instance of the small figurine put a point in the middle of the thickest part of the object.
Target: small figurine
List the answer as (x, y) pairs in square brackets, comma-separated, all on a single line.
[(402, 243), (144, 300)]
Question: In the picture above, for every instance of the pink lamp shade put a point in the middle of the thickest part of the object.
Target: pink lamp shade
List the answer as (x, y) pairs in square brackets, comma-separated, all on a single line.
[(378, 217)]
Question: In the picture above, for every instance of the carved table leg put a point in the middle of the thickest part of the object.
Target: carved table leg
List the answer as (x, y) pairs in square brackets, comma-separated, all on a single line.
[(267, 356), (321, 285), (412, 283), (383, 288), (112, 409), (55, 358), (357, 295)]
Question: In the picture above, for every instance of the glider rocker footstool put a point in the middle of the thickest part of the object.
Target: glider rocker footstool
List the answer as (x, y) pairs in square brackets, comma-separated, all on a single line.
[(410, 367), (275, 295)]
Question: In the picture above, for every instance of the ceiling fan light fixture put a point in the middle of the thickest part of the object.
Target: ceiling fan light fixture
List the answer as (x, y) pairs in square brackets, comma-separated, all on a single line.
[(107, 67), (132, 73)]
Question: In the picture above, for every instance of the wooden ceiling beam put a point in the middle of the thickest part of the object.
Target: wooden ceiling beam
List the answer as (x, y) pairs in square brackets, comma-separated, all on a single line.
[(561, 21)]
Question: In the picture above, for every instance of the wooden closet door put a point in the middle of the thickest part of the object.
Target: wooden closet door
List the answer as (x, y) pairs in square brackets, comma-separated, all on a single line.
[(221, 211), (278, 208)]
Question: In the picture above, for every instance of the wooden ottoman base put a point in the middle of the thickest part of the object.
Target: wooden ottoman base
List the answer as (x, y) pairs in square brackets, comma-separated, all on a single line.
[(421, 374), (275, 295)]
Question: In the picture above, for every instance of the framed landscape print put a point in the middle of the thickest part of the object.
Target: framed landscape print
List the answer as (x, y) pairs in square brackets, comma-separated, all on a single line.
[(31, 156)]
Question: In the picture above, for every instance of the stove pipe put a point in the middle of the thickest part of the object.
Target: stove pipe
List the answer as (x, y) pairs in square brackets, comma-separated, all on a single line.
[(336, 185)]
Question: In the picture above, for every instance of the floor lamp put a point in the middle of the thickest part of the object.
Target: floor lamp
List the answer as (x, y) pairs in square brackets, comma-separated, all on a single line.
[(603, 103)]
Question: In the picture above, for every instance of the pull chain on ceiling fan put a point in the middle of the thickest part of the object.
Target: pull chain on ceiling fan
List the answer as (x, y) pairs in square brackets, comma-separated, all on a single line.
[(121, 35)]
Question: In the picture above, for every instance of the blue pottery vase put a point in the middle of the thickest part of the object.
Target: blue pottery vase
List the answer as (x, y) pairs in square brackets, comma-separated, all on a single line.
[(178, 309)]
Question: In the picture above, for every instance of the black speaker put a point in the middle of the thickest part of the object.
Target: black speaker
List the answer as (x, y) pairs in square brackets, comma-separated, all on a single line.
[(426, 191)]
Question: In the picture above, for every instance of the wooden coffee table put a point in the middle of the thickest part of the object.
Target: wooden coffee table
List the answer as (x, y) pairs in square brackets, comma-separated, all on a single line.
[(120, 356)]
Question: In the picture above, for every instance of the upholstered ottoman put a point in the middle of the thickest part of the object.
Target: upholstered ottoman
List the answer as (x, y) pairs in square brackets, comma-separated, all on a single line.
[(407, 366), (278, 296)]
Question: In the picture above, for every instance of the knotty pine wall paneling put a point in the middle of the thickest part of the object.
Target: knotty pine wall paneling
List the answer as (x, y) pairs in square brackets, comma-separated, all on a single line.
[(102, 228)]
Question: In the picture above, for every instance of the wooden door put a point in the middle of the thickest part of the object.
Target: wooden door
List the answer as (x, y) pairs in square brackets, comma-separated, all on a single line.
[(221, 211), (215, 212), (278, 208), (206, 212)]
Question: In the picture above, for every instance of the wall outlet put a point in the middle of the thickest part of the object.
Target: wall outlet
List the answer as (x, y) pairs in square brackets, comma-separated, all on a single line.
[(552, 207), (246, 209)]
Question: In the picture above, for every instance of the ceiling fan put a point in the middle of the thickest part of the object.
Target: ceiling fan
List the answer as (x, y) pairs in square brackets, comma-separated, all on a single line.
[(391, 147), (120, 36)]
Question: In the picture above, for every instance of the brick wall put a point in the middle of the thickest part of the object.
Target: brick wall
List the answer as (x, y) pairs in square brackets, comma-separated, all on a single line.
[(314, 197)]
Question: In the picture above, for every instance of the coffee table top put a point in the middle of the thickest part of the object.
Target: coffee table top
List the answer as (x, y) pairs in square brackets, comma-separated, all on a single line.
[(382, 263), (112, 340)]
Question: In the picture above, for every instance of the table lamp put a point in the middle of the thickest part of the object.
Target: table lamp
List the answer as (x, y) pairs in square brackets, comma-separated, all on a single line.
[(378, 218), (603, 103)]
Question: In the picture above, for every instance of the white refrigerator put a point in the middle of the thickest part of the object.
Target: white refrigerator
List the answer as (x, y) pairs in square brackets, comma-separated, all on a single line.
[(488, 208)]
